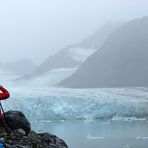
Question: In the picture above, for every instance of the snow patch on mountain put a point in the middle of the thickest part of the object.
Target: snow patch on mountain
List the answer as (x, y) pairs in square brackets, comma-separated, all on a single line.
[(80, 54)]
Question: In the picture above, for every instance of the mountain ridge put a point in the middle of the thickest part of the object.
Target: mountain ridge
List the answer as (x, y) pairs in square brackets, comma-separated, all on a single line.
[(65, 59), (115, 64)]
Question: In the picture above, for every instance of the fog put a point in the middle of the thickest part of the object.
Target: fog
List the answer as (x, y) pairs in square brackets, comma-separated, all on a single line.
[(36, 29)]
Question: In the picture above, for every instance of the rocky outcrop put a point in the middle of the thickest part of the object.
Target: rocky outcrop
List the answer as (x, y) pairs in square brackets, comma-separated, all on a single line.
[(22, 136), (33, 140), (17, 120)]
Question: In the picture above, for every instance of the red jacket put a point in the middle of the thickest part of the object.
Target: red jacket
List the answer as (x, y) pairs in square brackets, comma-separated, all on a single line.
[(5, 94)]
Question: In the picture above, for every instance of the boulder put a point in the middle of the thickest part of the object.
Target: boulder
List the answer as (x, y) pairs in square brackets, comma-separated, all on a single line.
[(17, 120)]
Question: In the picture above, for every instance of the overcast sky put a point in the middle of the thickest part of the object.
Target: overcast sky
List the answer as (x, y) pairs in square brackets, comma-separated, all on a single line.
[(36, 29)]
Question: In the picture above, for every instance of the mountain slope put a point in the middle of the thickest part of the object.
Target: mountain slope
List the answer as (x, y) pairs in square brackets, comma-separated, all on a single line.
[(20, 67), (74, 55), (122, 60), (60, 60)]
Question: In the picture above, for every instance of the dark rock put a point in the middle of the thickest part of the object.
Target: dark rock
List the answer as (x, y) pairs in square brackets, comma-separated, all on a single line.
[(17, 139), (52, 140), (17, 120), (34, 140)]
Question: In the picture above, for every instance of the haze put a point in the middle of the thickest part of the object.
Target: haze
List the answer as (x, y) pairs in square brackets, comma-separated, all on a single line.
[(36, 29)]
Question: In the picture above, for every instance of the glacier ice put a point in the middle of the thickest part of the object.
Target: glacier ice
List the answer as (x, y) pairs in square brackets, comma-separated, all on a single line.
[(50, 78), (50, 104)]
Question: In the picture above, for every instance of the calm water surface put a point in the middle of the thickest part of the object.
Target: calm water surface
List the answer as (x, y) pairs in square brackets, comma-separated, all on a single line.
[(98, 134)]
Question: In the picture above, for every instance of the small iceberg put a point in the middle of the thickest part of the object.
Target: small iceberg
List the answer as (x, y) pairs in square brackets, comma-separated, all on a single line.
[(93, 137), (141, 138)]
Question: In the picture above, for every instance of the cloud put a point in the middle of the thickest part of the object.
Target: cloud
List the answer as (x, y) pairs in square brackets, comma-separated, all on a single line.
[(39, 28)]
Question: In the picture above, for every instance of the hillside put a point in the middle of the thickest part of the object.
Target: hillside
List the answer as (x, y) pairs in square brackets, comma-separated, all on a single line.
[(74, 55), (19, 67), (121, 62)]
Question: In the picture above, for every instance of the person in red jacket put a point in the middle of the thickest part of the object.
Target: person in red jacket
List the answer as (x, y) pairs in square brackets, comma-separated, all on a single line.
[(3, 96)]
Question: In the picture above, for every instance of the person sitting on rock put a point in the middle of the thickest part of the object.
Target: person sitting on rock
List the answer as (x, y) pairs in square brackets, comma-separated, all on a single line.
[(4, 95)]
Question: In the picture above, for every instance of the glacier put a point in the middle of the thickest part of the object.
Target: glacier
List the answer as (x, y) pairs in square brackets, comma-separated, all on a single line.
[(59, 104), (48, 79)]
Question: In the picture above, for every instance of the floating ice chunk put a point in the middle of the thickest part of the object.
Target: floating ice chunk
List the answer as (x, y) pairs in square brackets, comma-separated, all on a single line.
[(45, 121), (92, 137), (141, 138), (128, 119)]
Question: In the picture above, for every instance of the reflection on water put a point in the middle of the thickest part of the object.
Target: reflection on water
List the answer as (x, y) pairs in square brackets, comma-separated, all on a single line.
[(98, 134)]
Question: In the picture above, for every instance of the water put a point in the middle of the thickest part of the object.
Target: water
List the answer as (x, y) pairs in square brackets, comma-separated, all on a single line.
[(99, 134)]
